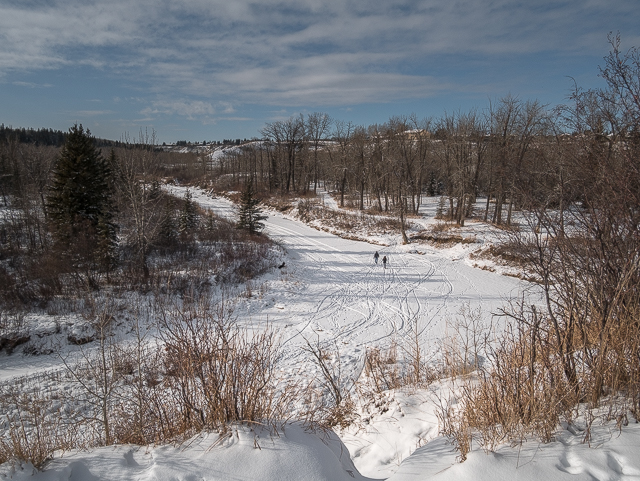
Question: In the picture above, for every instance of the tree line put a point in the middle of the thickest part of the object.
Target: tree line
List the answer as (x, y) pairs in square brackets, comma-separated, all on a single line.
[(503, 153), (515, 153), (44, 137), (78, 217)]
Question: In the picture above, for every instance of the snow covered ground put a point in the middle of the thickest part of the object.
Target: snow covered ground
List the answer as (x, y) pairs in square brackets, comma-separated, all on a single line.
[(332, 291), (335, 292)]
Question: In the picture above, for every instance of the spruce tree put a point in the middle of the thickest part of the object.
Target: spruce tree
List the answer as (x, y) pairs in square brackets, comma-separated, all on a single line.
[(188, 216), (79, 204), (168, 234), (250, 216)]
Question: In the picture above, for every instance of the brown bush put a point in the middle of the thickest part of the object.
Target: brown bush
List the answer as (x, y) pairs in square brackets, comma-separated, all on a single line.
[(527, 391), (35, 428)]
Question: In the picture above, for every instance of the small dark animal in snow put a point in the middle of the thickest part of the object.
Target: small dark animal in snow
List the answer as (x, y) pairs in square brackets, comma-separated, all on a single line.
[(281, 266)]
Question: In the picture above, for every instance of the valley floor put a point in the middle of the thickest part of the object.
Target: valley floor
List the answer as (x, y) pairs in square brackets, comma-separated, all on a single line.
[(331, 291)]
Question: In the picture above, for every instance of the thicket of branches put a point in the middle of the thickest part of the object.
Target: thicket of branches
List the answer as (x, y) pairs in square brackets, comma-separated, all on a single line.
[(79, 219), (498, 153), (202, 373), (579, 352)]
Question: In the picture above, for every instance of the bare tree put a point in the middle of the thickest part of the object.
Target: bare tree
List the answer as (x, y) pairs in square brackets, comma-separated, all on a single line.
[(461, 152), (340, 158), (287, 135), (514, 125), (317, 129), (136, 168)]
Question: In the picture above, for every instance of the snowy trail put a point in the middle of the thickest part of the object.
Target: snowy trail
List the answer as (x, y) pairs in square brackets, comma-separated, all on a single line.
[(343, 299), (351, 303)]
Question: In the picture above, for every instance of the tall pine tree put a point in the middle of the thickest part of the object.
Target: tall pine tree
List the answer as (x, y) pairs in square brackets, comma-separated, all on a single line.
[(188, 216), (79, 205), (250, 216)]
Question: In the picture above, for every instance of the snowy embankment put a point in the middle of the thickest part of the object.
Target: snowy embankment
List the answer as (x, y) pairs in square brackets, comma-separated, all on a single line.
[(331, 291)]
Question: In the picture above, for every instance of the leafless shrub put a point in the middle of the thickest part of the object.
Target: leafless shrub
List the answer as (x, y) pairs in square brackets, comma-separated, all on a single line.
[(332, 404), (526, 389), (33, 428), (214, 372), (401, 365), (454, 425), (99, 374), (381, 366), (466, 342), (417, 373)]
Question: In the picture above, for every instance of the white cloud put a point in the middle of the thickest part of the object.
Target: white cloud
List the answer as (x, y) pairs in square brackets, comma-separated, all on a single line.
[(185, 108), (92, 113), (31, 85), (293, 52)]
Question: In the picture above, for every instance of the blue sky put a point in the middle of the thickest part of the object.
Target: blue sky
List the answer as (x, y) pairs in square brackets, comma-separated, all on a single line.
[(214, 69)]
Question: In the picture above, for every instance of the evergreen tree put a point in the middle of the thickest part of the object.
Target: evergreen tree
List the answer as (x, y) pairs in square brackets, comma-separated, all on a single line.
[(188, 216), (168, 234), (250, 216), (79, 204)]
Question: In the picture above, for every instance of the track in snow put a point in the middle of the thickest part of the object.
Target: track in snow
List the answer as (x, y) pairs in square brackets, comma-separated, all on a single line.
[(349, 302)]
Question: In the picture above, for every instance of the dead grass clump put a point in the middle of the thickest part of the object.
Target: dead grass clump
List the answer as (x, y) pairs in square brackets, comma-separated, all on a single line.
[(442, 239), (400, 365), (215, 373), (381, 367), (330, 402), (348, 220), (34, 428), (507, 253), (380, 223), (283, 202), (440, 234), (533, 382), (441, 227), (523, 394), (455, 426)]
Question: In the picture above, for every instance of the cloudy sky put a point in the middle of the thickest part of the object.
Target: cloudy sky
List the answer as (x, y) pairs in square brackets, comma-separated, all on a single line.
[(213, 69)]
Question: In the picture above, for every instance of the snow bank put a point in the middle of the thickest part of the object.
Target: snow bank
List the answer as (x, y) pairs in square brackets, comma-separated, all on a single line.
[(243, 454)]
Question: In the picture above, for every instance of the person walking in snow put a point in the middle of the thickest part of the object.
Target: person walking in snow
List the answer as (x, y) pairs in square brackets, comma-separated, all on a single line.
[(375, 257), (384, 261)]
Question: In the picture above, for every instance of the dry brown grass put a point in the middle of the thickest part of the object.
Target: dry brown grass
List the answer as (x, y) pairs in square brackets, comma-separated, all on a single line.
[(348, 220), (440, 235), (330, 396), (34, 429), (467, 340), (525, 391), (400, 365), (206, 375), (382, 368), (215, 372)]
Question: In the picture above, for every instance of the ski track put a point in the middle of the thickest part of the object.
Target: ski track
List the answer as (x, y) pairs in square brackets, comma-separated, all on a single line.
[(348, 303), (355, 303)]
